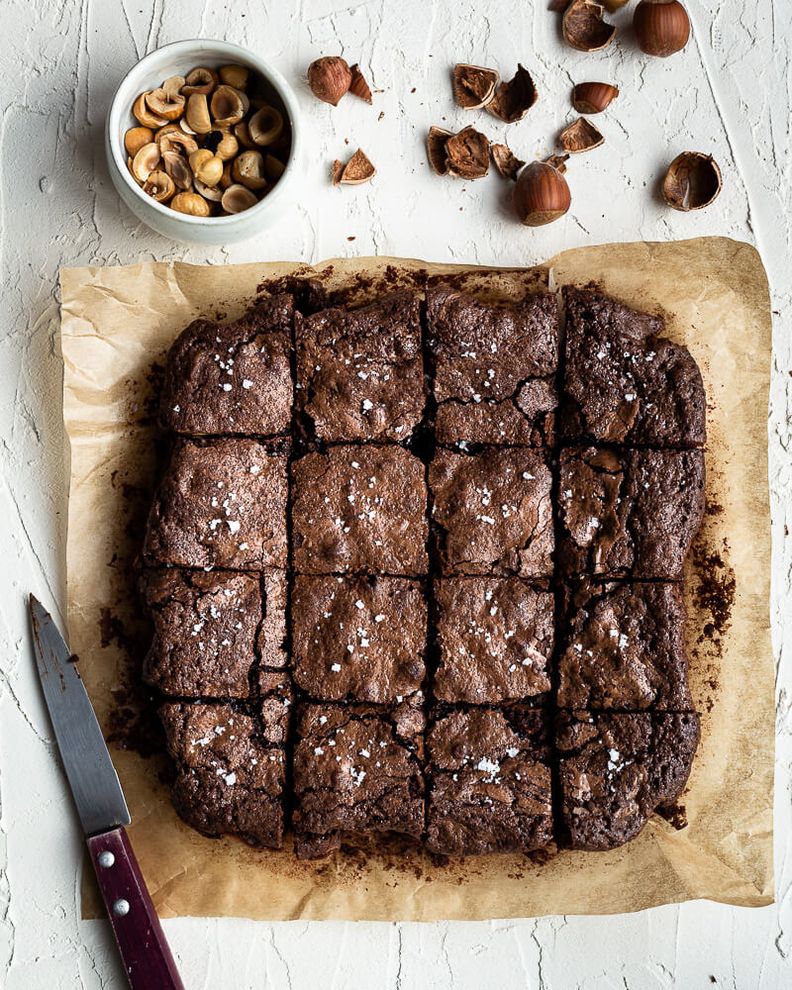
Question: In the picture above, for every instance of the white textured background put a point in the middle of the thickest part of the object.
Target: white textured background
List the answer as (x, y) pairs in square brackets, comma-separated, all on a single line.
[(728, 93)]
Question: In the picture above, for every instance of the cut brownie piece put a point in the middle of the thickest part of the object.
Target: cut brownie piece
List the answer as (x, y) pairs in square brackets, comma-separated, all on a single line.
[(221, 504), (495, 637), (208, 628), (357, 772), (360, 372), (360, 509), (489, 782), (629, 513), (626, 650), (623, 383), (615, 769), (493, 368), (232, 378), (492, 512), (229, 775), (358, 638)]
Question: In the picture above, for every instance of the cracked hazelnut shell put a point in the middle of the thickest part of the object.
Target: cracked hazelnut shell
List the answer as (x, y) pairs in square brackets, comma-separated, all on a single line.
[(541, 194), (593, 97), (693, 181), (514, 98), (506, 162), (662, 27), (358, 85), (436, 141), (467, 154), (357, 170), (585, 28), (473, 85), (581, 135)]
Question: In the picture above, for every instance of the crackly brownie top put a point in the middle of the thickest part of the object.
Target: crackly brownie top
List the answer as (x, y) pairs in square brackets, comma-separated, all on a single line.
[(220, 504), (615, 769), (625, 383), (495, 639), (232, 378), (625, 649), (360, 509), (633, 512), (360, 372), (358, 638), (493, 511)]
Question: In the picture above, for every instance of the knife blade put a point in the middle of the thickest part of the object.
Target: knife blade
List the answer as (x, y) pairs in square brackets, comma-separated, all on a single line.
[(103, 811)]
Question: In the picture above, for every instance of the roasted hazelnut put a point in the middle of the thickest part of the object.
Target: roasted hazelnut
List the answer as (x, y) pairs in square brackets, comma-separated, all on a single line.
[(329, 78), (160, 186), (212, 193), (248, 169), (593, 97), (178, 169), (242, 134), (163, 105), (235, 75), (201, 81), (273, 167), (541, 194), (191, 203), (228, 106), (206, 166), (144, 115), (197, 113), (662, 27), (145, 161), (237, 198), (265, 126), (584, 27), (226, 147), (693, 181), (136, 137)]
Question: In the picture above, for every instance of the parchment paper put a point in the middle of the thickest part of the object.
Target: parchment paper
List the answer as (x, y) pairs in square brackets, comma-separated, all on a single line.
[(118, 322)]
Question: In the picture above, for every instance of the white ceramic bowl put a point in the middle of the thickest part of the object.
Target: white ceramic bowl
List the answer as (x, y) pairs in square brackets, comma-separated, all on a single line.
[(178, 59)]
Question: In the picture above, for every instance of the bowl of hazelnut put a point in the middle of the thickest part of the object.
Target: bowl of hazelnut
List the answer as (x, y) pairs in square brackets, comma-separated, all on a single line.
[(202, 141)]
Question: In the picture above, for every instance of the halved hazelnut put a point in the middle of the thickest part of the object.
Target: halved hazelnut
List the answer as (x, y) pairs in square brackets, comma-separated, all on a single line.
[(265, 126), (163, 105), (136, 137), (248, 169), (237, 198), (357, 170), (467, 153), (473, 85), (235, 75), (692, 182), (273, 167), (213, 193), (159, 185), (178, 169), (191, 203), (593, 97), (228, 106), (143, 115), (227, 179), (176, 140), (581, 135), (513, 99), (242, 134), (506, 162), (222, 143), (584, 27), (145, 161), (436, 141), (541, 194), (197, 113), (329, 78), (206, 166), (200, 81), (173, 86), (359, 87)]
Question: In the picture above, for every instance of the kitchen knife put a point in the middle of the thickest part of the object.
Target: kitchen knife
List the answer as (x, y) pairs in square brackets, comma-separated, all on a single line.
[(103, 812)]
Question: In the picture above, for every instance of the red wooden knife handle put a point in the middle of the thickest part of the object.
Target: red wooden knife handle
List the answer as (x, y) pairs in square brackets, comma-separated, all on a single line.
[(147, 959)]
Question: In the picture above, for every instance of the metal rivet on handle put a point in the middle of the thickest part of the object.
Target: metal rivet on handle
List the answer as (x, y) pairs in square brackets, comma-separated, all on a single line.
[(121, 907), (106, 858)]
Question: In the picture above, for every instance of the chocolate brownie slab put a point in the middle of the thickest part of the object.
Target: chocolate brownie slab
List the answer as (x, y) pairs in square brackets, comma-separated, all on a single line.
[(357, 772), (221, 504), (209, 627), (623, 382), (360, 372), (495, 638), (492, 512), (232, 378), (489, 782), (360, 509), (493, 368), (616, 769), (626, 650), (358, 638), (230, 773), (633, 512)]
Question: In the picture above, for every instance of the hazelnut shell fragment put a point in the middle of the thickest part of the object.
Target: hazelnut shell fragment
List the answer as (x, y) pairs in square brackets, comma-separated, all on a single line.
[(329, 78), (584, 27), (336, 171), (506, 162), (541, 194), (513, 99), (473, 85), (467, 154), (357, 170), (581, 135), (359, 87), (178, 169), (436, 141), (693, 181), (593, 97), (662, 27)]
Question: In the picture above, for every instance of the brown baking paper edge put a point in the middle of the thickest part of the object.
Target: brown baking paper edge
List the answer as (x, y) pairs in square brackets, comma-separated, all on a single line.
[(714, 295)]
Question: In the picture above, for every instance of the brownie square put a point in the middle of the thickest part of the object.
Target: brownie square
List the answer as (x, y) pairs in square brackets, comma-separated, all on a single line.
[(492, 512), (208, 629), (626, 650), (229, 778), (616, 769), (356, 772), (489, 782), (221, 504), (623, 383), (360, 509), (495, 639), (493, 368), (232, 378), (633, 512), (360, 372), (357, 638)]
